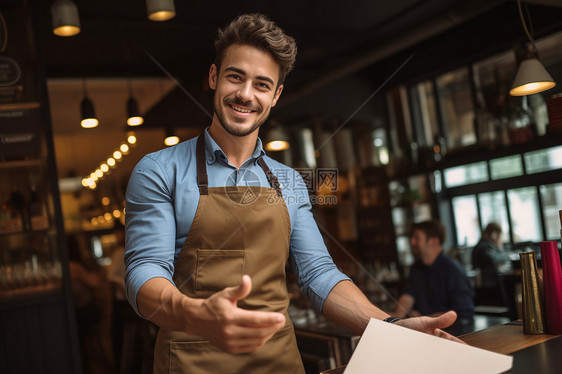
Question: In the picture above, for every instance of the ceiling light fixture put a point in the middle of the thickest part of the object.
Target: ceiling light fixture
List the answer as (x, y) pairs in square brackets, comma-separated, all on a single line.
[(64, 15), (133, 115), (276, 138), (89, 119), (531, 76), (171, 138), (160, 10)]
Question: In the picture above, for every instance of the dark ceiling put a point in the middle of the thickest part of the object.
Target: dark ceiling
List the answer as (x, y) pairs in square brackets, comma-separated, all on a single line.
[(337, 40)]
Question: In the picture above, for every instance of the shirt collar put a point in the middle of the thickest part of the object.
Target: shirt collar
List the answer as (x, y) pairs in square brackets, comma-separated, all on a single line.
[(214, 151)]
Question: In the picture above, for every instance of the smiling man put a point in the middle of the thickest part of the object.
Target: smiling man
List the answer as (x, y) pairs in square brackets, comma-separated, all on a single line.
[(205, 263)]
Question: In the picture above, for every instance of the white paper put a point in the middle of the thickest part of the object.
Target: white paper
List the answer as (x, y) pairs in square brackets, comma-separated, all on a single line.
[(389, 348)]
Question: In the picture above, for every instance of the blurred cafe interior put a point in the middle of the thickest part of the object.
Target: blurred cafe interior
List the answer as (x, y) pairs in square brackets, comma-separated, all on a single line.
[(399, 112)]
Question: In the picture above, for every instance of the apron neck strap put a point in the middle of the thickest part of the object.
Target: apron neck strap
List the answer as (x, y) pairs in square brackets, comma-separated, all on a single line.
[(203, 179), (273, 181)]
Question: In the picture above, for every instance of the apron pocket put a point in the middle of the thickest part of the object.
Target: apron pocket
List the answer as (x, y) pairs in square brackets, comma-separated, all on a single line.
[(218, 269)]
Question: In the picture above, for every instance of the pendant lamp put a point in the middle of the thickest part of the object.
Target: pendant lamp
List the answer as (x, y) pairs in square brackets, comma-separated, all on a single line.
[(89, 119), (64, 15), (133, 115), (276, 138), (171, 138), (160, 10), (531, 76)]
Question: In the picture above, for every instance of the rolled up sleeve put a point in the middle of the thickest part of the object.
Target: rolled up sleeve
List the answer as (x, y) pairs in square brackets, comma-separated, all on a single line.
[(150, 228)]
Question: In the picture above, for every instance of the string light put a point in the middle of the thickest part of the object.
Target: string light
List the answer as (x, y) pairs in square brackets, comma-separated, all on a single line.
[(110, 163)]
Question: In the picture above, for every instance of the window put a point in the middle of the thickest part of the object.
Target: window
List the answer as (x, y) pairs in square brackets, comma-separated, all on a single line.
[(400, 220), (404, 251), (525, 216), (466, 220), (422, 212), (505, 167), (543, 160), (425, 112), (419, 187), (493, 209), (493, 78), (551, 196), (457, 109), (466, 174)]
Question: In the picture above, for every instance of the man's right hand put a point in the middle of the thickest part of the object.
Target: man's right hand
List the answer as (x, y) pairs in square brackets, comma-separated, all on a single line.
[(219, 320)]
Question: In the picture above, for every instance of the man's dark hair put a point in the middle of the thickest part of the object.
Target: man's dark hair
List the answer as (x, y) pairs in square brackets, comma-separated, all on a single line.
[(258, 31), (491, 229), (431, 229)]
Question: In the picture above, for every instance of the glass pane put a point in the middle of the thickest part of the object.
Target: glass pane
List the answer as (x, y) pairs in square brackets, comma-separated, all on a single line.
[(400, 220), (419, 187), (457, 109), (422, 212), (551, 196), (543, 160), (493, 78), (466, 174), (404, 251), (525, 217), (425, 112), (493, 209), (466, 220), (506, 167)]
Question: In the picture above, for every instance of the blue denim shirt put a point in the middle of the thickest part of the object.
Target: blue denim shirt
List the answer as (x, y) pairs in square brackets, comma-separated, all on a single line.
[(162, 198)]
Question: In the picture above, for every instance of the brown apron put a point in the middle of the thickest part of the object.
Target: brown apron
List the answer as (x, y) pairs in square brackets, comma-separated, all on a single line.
[(235, 231)]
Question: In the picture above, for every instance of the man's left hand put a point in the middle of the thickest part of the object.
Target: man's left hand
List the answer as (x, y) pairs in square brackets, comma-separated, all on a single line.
[(432, 325)]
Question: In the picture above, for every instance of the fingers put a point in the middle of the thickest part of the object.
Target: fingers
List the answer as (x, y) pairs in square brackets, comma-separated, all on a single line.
[(446, 319), (241, 291), (442, 334), (251, 318)]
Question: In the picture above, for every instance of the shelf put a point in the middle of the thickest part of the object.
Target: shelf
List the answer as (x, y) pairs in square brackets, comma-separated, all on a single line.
[(26, 233), (21, 164), (30, 297), (17, 106)]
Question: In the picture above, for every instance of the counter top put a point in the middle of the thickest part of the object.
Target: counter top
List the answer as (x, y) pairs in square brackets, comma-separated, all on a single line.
[(505, 339)]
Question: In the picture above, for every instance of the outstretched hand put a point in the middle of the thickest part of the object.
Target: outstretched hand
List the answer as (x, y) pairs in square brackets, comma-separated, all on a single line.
[(432, 325), (219, 320)]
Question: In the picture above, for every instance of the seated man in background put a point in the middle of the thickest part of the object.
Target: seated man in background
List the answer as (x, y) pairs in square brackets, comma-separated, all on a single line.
[(489, 257), (437, 283)]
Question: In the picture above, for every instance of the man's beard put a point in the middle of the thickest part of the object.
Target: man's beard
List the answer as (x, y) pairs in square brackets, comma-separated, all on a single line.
[(230, 129)]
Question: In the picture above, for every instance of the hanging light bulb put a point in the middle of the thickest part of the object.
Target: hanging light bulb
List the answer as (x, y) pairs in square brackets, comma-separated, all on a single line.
[(133, 115), (89, 119), (171, 138), (531, 75), (64, 15), (276, 138), (131, 138), (160, 10)]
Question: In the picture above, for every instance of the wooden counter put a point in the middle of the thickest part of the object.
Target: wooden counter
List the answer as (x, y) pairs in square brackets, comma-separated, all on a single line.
[(505, 339)]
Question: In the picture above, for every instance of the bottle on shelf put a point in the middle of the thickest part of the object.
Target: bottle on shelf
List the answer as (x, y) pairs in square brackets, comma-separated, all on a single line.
[(37, 211), (13, 215)]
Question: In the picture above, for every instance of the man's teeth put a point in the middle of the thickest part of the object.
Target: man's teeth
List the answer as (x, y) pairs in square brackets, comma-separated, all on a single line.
[(241, 110)]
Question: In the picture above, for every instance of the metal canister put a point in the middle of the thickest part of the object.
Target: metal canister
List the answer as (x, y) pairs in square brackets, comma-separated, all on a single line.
[(534, 321)]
